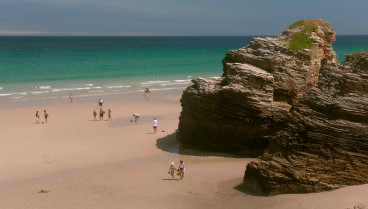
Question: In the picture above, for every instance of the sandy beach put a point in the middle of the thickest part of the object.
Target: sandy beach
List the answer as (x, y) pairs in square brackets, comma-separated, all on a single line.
[(83, 163)]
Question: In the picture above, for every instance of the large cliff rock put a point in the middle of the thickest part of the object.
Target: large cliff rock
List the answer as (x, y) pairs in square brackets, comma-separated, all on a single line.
[(250, 103), (289, 101), (325, 144)]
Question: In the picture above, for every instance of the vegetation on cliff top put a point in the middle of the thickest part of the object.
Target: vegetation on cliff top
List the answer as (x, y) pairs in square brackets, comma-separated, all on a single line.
[(309, 22), (360, 51), (302, 39)]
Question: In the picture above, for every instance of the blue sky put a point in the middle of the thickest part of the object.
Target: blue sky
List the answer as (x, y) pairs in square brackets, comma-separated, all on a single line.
[(174, 17)]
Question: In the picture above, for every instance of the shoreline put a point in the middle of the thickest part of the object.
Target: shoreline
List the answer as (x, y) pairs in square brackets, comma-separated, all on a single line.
[(129, 95)]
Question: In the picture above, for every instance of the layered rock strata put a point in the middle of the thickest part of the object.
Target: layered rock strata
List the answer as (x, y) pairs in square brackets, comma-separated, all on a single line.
[(325, 144), (287, 100), (249, 104)]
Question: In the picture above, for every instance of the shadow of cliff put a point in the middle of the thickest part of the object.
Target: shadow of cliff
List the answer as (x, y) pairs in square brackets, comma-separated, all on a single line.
[(243, 189), (170, 144)]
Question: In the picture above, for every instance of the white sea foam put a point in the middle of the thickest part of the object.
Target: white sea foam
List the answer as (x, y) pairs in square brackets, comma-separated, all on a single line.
[(39, 92), (215, 77), (97, 87), (88, 84), (164, 89), (98, 91), (181, 81), (11, 94), (172, 84), (70, 89), (153, 82), (2, 95), (44, 87), (16, 97), (1, 87), (117, 87), (189, 76)]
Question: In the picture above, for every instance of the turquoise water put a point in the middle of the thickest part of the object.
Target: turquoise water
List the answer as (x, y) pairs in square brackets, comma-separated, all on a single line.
[(56, 66)]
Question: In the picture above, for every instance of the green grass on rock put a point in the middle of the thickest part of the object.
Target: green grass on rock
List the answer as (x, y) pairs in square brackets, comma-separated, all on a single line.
[(302, 39), (360, 51)]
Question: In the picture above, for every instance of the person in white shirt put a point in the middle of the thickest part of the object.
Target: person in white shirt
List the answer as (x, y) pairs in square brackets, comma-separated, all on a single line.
[(154, 125)]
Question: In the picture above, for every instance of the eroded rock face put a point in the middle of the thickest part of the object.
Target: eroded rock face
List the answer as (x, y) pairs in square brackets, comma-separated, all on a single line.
[(325, 144), (294, 71), (306, 115), (250, 103)]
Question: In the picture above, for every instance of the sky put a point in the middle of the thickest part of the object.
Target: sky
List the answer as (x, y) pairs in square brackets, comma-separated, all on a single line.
[(176, 17)]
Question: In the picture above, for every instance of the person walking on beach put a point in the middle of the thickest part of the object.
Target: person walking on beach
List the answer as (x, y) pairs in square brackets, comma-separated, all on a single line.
[(101, 114), (46, 115), (154, 125), (94, 114), (71, 98), (100, 102), (109, 114), (181, 168), (172, 170), (37, 117)]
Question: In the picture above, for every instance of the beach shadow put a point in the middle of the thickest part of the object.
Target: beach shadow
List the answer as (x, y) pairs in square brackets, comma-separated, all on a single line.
[(241, 188), (170, 144), (170, 179), (149, 133)]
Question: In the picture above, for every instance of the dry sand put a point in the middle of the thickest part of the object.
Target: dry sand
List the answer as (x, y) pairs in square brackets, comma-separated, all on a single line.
[(118, 164)]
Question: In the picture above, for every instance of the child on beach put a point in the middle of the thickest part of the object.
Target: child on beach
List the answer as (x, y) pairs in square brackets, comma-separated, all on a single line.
[(172, 169), (147, 91), (94, 114), (71, 98), (100, 102), (37, 117), (46, 115), (109, 114), (181, 168)]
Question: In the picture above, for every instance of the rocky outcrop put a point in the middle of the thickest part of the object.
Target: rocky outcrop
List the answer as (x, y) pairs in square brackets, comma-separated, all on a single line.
[(287, 100), (325, 144), (249, 104)]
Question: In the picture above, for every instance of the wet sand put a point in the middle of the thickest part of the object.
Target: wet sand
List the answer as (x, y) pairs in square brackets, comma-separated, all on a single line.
[(84, 163)]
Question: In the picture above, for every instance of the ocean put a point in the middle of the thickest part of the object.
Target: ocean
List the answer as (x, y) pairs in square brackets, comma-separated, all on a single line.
[(50, 67)]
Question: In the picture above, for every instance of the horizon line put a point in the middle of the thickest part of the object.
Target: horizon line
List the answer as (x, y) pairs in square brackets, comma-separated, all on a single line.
[(86, 35)]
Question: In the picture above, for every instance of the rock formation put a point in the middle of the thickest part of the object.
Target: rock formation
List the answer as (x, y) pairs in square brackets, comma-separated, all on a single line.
[(325, 144), (289, 95), (249, 104)]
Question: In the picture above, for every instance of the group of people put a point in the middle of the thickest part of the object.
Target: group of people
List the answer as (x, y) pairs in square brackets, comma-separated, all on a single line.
[(38, 117), (180, 170), (102, 113)]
